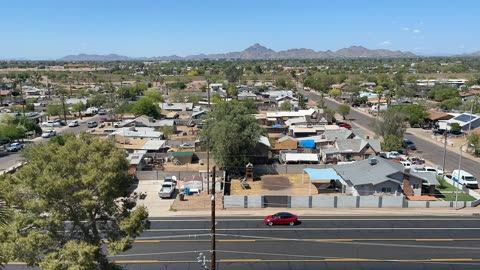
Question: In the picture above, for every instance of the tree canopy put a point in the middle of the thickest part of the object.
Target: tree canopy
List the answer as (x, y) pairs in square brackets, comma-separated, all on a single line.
[(70, 196), (443, 92), (343, 110), (232, 134), (146, 106)]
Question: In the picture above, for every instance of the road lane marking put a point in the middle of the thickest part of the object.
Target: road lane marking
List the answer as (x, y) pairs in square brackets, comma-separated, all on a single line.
[(317, 229), (330, 260), (322, 219), (253, 239)]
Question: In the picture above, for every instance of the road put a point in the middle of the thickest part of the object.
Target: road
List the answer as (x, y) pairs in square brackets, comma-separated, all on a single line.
[(428, 150), (316, 243), (7, 160)]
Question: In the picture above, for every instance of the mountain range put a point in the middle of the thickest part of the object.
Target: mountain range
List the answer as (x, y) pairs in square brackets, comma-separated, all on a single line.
[(255, 52)]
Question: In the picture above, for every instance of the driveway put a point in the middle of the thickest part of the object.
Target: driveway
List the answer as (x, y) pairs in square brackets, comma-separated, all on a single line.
[(156, 207)]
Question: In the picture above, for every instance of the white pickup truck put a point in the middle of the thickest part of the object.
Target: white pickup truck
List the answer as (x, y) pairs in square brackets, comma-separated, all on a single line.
[(168, 187)]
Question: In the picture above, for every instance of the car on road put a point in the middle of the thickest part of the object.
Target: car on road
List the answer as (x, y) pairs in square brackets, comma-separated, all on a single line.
[(409, 145), (74, 123), (281, 218), (92, 124), (50, 124), (14, 147), (49, 133)]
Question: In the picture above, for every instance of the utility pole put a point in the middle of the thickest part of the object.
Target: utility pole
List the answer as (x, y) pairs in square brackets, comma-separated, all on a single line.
[(208, 165), (444, 153), (212, 232)]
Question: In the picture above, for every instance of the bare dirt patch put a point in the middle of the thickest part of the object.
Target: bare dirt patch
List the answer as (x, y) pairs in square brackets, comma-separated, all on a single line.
[(275, 182)]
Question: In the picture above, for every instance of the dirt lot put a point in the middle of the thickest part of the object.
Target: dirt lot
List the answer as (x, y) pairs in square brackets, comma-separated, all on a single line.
[(283, 184)]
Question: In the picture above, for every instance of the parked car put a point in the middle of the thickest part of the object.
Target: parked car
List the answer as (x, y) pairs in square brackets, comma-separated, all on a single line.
[(186, 145), (14, 147), (466, 178), (344, 125), (92, 124), (102, 112), (281, 218), (74, 123), (50, 124), (421, 168), (409, 145), (170, 179), (49, 133)]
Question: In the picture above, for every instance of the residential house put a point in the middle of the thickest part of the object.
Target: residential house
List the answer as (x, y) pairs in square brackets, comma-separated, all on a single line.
[(377, 176), (246, 94), (279, 117), (292, 100), (298, 131), (146, 121), (434, 116), (132, 145), (138, 133), (466, 121), (350, 150), (285, 143), (176, 107)]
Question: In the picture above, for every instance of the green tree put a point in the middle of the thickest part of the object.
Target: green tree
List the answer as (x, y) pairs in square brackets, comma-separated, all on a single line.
[(415, 114), (80, 186), (473, 140), (233, 74), (73, 255), (54, 109), (451, 104), (167, 131), (455, 127), (343, 110), (392, 143), (79, 107), (334, 93), (286, 106), (231, 90), (97, 100), (391, 123), (232, 134), (146, 106), (442, 92), (154, 95)]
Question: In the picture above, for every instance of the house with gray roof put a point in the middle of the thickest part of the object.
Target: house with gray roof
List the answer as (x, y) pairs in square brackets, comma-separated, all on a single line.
[(350, 149), (377, 176), (146, 121)]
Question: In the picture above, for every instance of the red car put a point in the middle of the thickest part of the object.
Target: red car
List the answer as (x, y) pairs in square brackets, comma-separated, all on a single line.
[(281, 218), (347, 126)]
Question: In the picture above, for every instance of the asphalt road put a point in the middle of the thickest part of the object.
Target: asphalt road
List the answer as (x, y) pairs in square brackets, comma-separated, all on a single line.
[(315, 243), (426, 149), (7, 160)]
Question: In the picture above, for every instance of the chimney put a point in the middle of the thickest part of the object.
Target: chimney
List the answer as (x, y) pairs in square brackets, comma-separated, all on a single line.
[(407, 188)]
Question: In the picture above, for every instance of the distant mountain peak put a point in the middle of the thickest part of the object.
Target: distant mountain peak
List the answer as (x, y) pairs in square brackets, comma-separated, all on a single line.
[(257, 51)]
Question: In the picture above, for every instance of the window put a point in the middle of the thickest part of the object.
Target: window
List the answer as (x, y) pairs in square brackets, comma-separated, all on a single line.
[(416, 186), (386, 190)]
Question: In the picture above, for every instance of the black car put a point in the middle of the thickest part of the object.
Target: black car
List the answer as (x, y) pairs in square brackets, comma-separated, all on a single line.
[(409, 145)]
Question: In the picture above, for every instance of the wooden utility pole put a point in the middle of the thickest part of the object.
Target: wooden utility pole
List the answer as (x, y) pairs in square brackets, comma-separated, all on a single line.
[(212, 232)]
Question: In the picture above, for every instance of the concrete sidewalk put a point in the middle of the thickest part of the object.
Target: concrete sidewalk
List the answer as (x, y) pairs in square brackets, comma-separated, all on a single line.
[(261, 212)]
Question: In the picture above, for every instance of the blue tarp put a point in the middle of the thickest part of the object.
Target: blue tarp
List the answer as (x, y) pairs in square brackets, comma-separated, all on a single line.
[(307, 144), (322, 174), (277, 126)]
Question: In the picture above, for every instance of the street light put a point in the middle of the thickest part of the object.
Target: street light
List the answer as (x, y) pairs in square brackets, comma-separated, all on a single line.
[(459, 174)]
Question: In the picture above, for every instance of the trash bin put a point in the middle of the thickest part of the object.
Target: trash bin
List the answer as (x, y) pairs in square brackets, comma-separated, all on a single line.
[(181, 196), (187, 191)]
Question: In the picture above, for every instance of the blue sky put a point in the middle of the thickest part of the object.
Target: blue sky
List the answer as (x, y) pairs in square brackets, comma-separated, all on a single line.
[(50, 29)]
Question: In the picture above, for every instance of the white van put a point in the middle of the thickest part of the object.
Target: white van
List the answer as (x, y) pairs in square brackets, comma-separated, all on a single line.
[(466, 178)]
